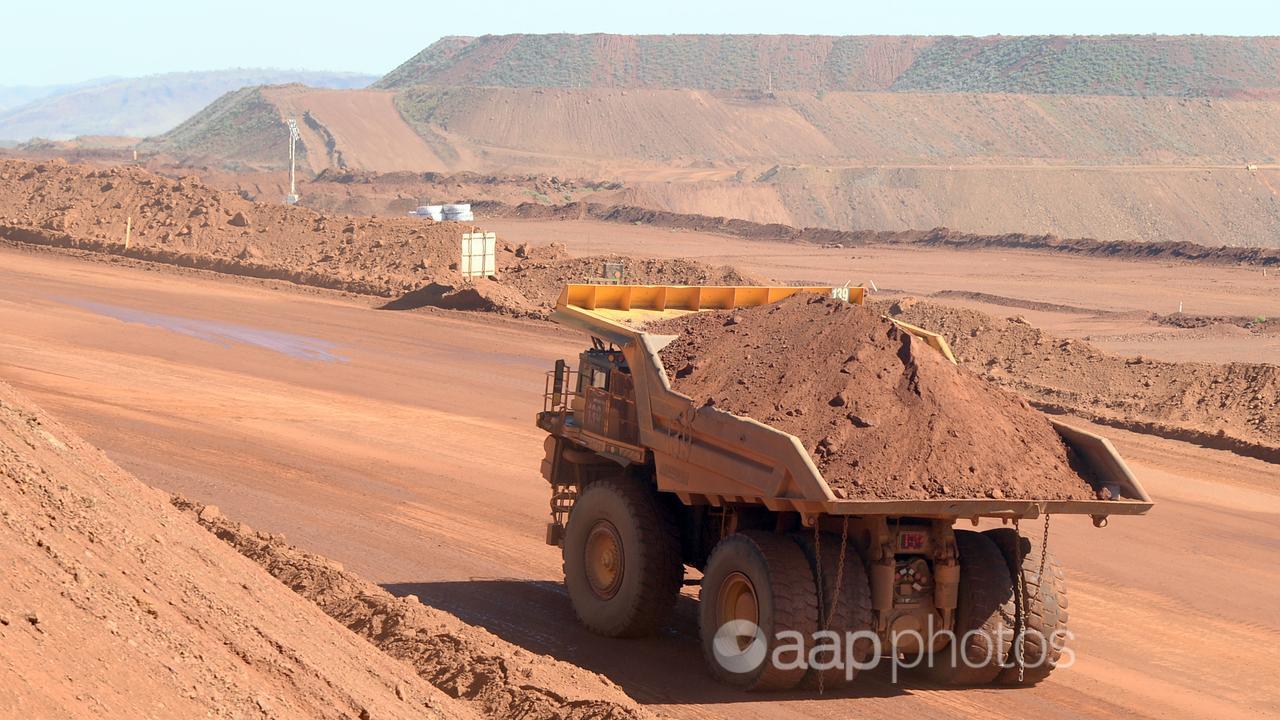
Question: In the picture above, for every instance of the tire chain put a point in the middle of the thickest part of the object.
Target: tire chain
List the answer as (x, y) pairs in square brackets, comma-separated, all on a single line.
[(824, 619), (1021, 600), (1044, 554)]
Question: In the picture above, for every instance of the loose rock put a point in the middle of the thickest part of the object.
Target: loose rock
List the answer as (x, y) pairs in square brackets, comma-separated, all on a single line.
[(938, 430)]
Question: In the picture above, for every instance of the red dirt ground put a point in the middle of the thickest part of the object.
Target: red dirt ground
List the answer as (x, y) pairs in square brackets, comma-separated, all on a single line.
[(188, 223), (116, 605), (413, 461)]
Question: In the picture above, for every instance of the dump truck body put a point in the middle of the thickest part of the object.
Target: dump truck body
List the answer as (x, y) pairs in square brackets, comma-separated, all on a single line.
[(720, 476), (706, 455)]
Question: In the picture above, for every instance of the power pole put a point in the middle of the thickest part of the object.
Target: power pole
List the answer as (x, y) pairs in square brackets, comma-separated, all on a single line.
[(294, 136)]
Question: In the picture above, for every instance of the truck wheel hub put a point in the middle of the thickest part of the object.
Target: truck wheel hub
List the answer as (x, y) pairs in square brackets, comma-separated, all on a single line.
[(604, 559), (737, 601)]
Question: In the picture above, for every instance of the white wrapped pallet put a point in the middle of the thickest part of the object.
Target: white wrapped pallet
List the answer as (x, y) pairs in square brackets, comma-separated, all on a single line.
[(459, 212)]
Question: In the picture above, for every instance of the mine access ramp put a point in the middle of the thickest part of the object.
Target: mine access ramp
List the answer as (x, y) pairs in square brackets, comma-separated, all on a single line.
[(645, 482)]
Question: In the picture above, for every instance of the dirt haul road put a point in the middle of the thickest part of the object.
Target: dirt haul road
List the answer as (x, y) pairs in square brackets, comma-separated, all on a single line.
[(362, 128), (402, 445)]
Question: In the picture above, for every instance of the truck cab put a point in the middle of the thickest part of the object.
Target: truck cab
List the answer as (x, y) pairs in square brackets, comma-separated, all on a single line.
[(594, 405)]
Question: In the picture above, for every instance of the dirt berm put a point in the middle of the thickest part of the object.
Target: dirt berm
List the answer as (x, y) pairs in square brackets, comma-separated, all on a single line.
[(497, 678), (134, 213), (116, 604), (1231, 406), (936, 237), (884, 415)]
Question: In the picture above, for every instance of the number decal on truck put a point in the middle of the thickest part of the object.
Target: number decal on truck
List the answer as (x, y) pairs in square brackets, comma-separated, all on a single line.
[(913, 541)]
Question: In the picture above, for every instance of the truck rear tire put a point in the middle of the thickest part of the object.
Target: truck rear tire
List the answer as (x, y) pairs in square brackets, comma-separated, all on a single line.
[(853, 611), (765, 580), (984, 616), (1046, 612), (622, 565)]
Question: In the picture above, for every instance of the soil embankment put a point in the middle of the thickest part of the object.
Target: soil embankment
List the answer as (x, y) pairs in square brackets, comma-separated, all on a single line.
[(1230, 406), (129, 608), (497, 679), (134, 213), (114, 604), (129, 211), (884, 415), (937, 237)]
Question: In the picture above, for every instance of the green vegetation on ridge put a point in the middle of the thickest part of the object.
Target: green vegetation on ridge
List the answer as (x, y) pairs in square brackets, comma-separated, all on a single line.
[(1117, 65), (1090, 65), (241, 127)]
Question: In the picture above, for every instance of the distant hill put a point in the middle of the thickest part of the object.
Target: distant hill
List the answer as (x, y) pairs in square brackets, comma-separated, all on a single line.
[(1114, 168), (11, 97), (144, 106), (1118, 138), (1195, 66), (16, 96), (240, 128)]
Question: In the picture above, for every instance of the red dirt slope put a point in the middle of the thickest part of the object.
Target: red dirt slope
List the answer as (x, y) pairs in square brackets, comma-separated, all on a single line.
[(116, 605), (1230, 406), (360, 127), (185, 222), (493, 676)]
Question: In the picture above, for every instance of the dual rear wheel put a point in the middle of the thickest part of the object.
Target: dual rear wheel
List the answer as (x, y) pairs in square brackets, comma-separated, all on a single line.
[(1044, 616), (771, 581), (991, 627), (760, 607)]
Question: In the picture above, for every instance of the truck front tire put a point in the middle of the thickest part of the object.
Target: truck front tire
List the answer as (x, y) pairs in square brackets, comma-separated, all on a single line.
[(622, 565)]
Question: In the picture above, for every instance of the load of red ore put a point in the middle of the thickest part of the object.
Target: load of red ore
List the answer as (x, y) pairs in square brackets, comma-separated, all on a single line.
[(883, 414)]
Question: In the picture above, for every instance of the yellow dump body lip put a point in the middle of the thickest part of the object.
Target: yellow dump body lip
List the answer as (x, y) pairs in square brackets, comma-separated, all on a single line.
[(661, 298)]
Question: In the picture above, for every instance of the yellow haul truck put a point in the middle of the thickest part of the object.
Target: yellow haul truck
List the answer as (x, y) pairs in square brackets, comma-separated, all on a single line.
[(645, 482)]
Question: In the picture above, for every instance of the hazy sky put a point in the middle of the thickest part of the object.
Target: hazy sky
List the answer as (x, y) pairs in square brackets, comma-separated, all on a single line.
[(71, 40)]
